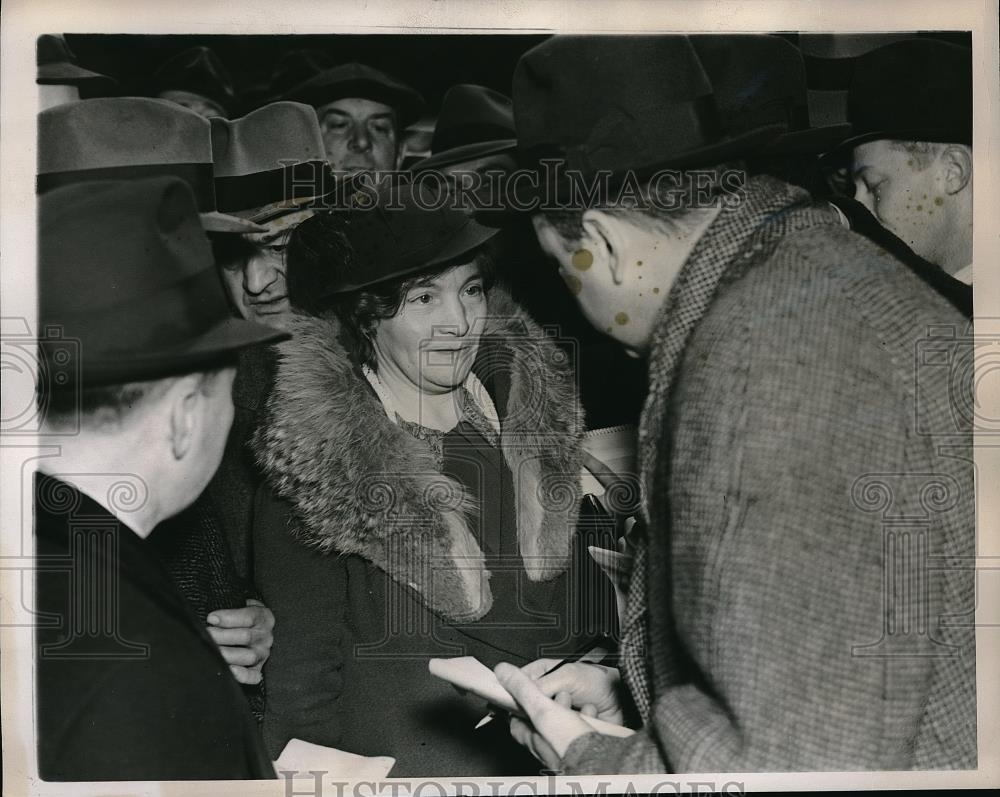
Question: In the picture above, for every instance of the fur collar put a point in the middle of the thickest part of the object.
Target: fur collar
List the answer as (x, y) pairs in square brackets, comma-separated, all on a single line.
[(360, 484)]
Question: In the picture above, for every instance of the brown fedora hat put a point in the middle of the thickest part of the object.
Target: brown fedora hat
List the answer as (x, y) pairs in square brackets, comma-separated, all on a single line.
[(122, 138), (270, 162), (761, 80), (475, 121), (126, 270), (619, 105)]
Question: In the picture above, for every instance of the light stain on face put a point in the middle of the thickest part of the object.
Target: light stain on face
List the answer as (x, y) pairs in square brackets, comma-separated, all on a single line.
[(582, 259), (938, 201), (656, 290), (621, 319)]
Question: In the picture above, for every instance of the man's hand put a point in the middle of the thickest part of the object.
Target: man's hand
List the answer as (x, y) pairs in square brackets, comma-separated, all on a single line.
[(593, 689), (553, 725), (244, 638)]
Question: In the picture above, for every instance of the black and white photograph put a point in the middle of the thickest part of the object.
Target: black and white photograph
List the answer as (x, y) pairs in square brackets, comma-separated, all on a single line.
[(574, 405)]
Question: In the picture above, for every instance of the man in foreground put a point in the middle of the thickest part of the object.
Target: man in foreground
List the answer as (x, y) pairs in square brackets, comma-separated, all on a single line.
[(141, 350), (790, 420)]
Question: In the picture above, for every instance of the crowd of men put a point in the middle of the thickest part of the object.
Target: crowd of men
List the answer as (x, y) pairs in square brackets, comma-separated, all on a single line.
[(759, 329)]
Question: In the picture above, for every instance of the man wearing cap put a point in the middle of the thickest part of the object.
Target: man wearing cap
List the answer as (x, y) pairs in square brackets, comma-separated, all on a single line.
[(910, 105), (141, 348), (788, 424), (362, 113)]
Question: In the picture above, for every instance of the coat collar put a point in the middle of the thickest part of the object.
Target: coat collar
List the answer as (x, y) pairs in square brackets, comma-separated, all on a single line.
[(360, 484)]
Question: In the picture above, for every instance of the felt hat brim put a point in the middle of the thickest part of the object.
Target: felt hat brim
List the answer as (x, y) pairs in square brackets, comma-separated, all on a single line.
[(745, 144), (814, 141), (67, 74), (213, 221), (944, 135), (466, 152), (209, 349), (466, 240)]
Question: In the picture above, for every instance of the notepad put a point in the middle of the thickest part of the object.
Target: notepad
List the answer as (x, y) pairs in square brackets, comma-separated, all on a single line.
[(470, 674), (615, 448), (304, 758)]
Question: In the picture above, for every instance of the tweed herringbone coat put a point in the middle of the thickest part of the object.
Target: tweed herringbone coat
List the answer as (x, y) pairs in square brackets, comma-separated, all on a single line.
[(807, 471)]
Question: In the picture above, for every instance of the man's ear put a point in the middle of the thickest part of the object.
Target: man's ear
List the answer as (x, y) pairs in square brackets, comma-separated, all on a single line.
[(184, 398), (957, 160), (603, 236)]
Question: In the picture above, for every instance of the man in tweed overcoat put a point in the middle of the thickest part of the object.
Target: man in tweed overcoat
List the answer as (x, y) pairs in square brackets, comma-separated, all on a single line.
[(798, 600)]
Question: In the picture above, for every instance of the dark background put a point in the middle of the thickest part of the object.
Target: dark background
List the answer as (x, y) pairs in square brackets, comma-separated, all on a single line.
[(429, 63)]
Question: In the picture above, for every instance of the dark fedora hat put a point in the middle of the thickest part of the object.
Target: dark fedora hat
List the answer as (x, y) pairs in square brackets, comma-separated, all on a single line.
[(125, 269), (359, 80), (475, 121), (57, 67), (829, 61), (197, 70), (760, 80), (407, 228), (123, 138), (912, 90), (622, 103), (269, 162)]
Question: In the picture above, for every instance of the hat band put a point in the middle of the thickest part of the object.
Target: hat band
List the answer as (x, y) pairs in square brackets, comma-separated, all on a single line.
[(166, 321), (197, 175), (248, 191), (462, 135)]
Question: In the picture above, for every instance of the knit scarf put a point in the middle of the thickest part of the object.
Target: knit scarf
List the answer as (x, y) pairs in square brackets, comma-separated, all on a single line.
[(738, 237)]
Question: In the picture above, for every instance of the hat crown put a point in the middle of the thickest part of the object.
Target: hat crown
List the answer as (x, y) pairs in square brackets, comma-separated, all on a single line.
[(756, 79), (266, 139), (52, 49), (582, 96), (120, 131), (105, 243), (916, 89), (126, 272), (472, 114)]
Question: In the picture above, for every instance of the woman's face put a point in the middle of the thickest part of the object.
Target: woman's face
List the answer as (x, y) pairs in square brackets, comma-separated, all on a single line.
[(432, 341)]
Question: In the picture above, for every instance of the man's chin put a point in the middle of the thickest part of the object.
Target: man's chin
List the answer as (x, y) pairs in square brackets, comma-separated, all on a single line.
[(273, 318)]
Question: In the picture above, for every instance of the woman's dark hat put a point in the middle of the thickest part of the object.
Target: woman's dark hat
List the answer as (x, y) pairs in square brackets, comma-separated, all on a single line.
[(622, 104), (269, 162), (474, 122), (912, 90), (358, 80), (761, 80), (57, 67), (125, 271), (406, 229), (125, 138), (197, 70)]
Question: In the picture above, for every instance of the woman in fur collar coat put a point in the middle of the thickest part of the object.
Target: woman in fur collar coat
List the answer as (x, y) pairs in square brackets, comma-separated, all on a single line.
[(422, 451)]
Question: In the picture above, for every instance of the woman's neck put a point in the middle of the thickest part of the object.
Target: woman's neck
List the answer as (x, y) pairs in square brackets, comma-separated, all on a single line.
[(441, 411)]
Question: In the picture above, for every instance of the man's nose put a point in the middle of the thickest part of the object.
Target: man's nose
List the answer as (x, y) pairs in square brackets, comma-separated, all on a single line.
[(360, 140), (864, 196), (260, 274)]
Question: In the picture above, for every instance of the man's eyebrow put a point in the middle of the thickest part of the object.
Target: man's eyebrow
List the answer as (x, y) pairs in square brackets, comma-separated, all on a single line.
[(349, 115)]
